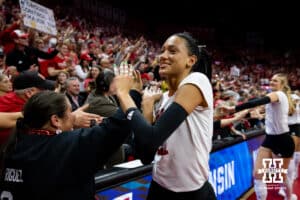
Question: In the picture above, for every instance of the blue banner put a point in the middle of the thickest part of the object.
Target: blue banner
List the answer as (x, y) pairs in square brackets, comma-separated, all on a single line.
[(231, 171)]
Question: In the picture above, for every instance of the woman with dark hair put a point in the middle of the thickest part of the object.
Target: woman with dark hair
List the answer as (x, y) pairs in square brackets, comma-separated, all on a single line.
[(82, 70), (103, 85), (89, 82), (179, 136), (60, 82), (101, 100), (47, 159)]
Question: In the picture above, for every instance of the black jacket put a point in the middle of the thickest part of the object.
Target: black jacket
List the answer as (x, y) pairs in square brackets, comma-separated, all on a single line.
[(22, 60), (61, 166), (81, 100)]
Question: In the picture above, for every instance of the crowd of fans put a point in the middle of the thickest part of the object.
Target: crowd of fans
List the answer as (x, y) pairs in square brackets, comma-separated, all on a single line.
[(79, 62)]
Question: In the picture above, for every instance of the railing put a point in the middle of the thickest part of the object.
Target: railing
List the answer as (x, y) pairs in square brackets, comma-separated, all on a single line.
[(134, 183)]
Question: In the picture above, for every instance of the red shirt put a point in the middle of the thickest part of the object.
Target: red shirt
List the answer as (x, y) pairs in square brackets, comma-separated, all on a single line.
[(44, 67), (44, 64), (6, 40), (9, 103), (87, 82), (58, 60)]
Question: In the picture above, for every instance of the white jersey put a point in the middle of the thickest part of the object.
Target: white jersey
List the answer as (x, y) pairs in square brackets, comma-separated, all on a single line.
[(295, 118), (277, 115), (181, 163)]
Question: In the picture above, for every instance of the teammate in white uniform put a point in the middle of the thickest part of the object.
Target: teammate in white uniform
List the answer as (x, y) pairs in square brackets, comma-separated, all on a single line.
[(278, 143), (181, 134), (187, 149), (294, 124)]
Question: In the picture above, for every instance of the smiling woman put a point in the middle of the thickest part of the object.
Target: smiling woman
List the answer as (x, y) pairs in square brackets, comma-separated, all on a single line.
[(182, 125)]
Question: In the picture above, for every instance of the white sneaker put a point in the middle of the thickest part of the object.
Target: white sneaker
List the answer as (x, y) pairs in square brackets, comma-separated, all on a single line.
[(281, 192), (294, 197)]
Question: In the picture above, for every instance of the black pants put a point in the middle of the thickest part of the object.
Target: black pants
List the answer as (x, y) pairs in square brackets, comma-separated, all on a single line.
[(156, 192)]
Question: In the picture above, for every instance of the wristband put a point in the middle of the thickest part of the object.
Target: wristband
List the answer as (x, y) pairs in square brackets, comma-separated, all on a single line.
[(129, 112)]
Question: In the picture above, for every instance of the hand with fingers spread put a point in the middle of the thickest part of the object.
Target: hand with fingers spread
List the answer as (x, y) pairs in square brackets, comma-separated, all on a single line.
[(124, 69), (84, 119), (124, 80), (152, 93)]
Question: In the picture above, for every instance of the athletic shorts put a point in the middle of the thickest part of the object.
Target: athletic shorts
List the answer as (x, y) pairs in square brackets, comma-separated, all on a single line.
[(295, 129), (281, 145)]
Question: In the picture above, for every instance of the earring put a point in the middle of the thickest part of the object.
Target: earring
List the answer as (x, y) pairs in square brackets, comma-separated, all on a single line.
[(58, 131)]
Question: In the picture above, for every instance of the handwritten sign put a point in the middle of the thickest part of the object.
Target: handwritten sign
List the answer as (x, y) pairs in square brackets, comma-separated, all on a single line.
[(38, 17)]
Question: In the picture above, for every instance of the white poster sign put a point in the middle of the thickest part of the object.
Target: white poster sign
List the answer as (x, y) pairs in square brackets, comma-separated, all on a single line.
[(38, 17)]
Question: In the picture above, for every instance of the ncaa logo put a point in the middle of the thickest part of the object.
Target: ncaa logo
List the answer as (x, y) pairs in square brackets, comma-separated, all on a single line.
[(272, 170)]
